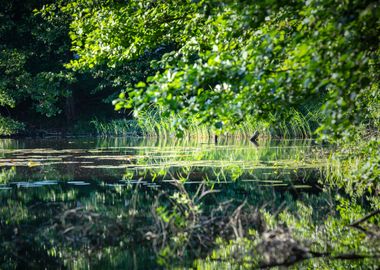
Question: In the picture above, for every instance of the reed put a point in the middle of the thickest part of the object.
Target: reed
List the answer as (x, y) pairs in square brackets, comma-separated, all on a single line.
[(117, 127), (154, 123)]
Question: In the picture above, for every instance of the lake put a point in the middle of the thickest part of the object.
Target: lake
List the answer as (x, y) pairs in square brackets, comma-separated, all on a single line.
[(92, 203)]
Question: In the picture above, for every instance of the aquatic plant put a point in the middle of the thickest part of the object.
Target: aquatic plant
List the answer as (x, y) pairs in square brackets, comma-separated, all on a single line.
[(155, 122)]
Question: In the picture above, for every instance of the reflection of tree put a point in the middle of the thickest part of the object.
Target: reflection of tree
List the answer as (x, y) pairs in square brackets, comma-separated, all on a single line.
[(104, 226), (243, 224), (59, 225), (296, 237)]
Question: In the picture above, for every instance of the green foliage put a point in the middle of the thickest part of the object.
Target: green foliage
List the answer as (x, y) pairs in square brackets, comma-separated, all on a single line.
[(233, 59), (48, 88), (30, 49), (9, 126), (218, 67), (13, 76), (33, 49)]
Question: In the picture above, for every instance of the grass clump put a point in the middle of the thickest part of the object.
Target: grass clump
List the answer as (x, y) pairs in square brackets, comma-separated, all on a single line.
[(116, 127), (155, 123)]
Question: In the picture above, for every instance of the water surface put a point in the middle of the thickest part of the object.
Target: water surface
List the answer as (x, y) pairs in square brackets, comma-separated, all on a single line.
[(90, 203)]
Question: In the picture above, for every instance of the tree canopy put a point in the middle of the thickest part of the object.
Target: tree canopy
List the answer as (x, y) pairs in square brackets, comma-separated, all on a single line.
[(208, 67), (229, 59), (31, 66), (34, 83)]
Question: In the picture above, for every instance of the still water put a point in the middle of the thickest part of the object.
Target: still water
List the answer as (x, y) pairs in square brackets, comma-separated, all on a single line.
[(93, 203)]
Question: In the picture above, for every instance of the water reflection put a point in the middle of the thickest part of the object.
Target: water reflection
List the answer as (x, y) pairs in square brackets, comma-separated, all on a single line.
[(113, 160), (123, 203)]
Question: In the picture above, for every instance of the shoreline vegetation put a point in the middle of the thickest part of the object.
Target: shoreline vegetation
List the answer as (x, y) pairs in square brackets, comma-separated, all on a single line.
[(202, 133), (152, 123)]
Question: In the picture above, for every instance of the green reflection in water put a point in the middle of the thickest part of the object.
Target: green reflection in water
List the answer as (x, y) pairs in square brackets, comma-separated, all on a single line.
[(123, 203)]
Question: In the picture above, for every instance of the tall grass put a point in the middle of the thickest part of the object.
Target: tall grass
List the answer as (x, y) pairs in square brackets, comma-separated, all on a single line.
[(117, 127), (153, 123), (297, 125)]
